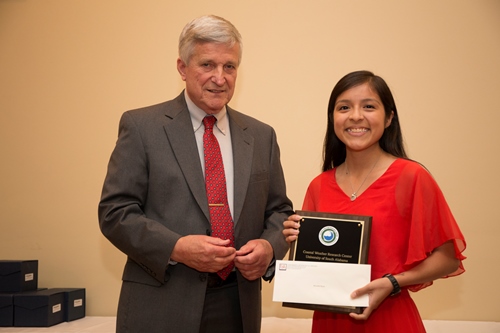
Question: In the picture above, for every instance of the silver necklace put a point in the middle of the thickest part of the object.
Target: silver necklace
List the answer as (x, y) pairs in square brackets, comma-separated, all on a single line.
[(354, 195)]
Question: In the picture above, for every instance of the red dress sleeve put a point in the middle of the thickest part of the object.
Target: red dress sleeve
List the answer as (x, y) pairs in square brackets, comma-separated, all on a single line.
[(317, 190), (310, 197), (432, 224)]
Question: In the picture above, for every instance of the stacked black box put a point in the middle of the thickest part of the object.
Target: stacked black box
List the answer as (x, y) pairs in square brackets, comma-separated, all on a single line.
[(15, 276), (39, 308), (18, 275), (22, 304), (74, 302), (6, 310)]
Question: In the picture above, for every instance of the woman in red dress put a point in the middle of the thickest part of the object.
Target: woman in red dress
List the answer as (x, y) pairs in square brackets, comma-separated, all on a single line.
[(414, 239)]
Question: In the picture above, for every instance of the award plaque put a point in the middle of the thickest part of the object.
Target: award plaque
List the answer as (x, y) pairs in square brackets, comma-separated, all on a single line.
[(335, 238)]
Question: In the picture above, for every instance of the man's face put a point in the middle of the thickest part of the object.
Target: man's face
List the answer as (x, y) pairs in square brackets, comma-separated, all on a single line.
[(210, 75)]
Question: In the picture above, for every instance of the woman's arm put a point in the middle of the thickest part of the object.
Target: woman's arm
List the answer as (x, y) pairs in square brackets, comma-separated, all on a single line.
[(439, 263)]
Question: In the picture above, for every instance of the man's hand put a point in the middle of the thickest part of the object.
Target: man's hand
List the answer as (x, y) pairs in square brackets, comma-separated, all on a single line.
[(253, 258), (203, 253)]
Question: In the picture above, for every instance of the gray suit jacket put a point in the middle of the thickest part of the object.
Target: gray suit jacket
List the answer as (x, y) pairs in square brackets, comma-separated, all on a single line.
[(154, 193)]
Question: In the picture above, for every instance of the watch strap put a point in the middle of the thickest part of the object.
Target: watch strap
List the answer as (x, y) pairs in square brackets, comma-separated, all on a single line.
[(396, 289)]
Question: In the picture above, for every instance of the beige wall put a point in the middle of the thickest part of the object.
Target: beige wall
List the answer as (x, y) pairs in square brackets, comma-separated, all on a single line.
[(68, 69)]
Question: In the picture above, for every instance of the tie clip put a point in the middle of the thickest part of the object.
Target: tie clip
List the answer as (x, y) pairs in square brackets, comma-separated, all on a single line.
[(216, 205)]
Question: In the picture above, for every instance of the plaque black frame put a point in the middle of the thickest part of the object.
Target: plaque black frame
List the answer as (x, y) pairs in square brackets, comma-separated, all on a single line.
[(360, 224)]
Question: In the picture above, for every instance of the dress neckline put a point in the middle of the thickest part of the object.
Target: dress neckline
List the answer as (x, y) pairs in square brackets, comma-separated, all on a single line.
[(348, 196)]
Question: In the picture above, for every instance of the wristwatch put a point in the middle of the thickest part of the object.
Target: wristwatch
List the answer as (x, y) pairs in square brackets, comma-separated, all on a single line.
[(396, 289)]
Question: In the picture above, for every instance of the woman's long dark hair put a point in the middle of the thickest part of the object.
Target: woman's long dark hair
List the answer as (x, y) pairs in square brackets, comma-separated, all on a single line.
[(334, 150)]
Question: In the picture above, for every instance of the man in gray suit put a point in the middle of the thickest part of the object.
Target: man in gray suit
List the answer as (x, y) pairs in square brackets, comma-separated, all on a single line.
[(154, 206)]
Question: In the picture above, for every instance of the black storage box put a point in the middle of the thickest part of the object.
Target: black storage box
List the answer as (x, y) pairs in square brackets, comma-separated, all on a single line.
[(6, 310), (18, 275), (74, 299), (39, 308)]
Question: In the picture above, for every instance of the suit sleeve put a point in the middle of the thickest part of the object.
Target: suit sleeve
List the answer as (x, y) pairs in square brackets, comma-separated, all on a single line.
[(278, 208), (121, 208)]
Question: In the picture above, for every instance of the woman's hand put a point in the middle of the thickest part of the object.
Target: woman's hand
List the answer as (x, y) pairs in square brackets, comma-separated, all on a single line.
[(441, 262), (377, 291), (292, 226)]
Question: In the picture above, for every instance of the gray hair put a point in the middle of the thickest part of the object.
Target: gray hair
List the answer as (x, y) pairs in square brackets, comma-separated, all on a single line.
[(211, 29)]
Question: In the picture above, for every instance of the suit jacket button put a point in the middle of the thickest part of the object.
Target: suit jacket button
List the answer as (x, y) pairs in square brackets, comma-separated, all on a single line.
[(203, 277)]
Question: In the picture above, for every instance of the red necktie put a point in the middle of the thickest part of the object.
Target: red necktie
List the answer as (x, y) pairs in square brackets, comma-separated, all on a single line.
[(215, 184)]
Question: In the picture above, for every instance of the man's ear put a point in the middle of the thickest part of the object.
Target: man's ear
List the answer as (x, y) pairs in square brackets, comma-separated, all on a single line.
[(181, 67)]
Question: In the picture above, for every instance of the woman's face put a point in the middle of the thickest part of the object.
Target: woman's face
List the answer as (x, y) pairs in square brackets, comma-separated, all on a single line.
[(359, 118)]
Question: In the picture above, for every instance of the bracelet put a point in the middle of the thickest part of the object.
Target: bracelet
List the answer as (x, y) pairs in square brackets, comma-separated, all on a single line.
[(396, 289)]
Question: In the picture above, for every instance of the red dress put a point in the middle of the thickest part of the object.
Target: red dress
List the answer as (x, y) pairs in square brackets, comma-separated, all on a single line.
[(410, 218)]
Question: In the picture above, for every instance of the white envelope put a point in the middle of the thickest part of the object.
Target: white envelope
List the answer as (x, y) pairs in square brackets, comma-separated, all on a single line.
[(325, 283)]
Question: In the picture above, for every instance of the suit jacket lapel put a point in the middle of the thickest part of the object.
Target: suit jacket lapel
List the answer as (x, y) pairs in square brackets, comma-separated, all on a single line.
[(243, 146), (179, 130)]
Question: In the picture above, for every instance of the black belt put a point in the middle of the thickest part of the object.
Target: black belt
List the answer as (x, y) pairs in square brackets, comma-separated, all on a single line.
[(214, 280)]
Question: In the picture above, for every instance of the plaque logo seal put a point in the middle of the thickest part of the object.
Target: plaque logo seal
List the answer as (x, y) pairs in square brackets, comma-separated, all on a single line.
[(328, 235)]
